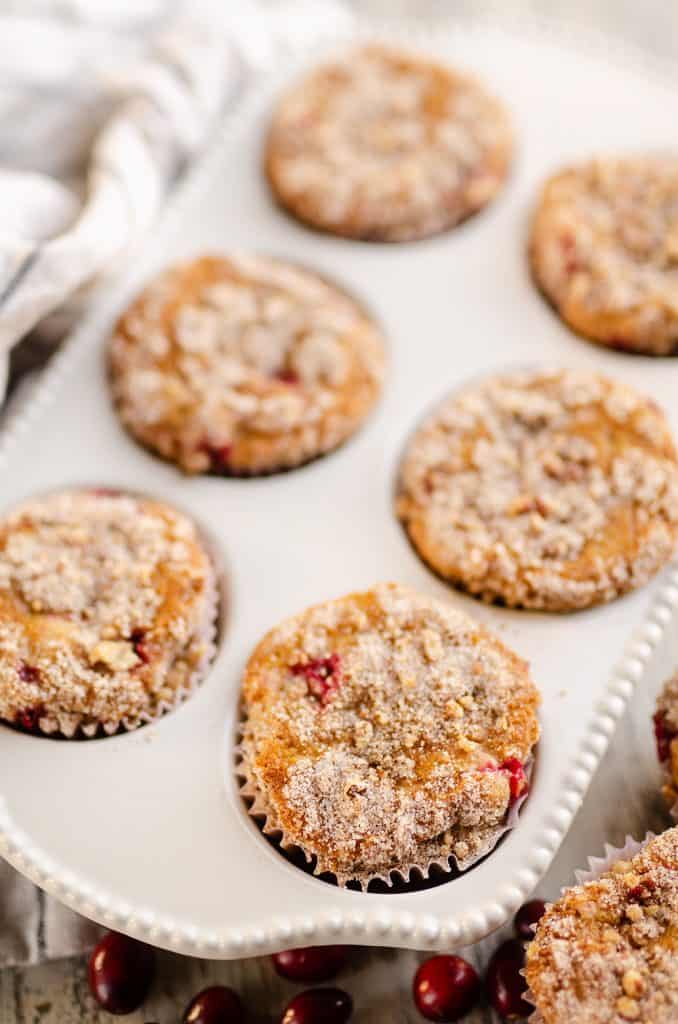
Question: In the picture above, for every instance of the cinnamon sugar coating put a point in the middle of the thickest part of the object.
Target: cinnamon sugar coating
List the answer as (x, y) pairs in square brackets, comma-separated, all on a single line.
[(607, 952), (553, 489), (106, 611), (386, 729), (666, 733), (384, 145), (243, 364), (604, 250)]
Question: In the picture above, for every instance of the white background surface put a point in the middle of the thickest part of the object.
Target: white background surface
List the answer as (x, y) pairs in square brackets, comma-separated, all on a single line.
[(623, 795)]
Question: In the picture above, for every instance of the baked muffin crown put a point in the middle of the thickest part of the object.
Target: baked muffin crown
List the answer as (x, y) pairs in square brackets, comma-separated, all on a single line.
[(384, 145), (607, 952), (244, 364), (551, 489), (384, 726), (604, 250), (107, 604)]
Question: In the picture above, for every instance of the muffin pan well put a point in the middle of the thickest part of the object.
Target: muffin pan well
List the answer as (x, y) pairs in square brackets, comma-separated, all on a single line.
[(147, 832)]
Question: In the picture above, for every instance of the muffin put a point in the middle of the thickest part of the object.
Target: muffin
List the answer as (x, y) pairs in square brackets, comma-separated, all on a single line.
[(243, 365), (548, 489), (604, 251), (386, 731), (387, 146), (107, 611), (607, 951), (666, 736)]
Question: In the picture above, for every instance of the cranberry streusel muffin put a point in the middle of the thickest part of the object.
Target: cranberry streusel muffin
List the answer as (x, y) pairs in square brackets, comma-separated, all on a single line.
[(386, 730), (666, 735), (604, 250), (387, 146), (607, 952), (243, 365), (551, 489), (107, 609)]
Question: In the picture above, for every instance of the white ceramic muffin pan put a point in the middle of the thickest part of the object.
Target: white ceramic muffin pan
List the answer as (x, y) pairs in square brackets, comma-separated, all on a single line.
[(146, 832)]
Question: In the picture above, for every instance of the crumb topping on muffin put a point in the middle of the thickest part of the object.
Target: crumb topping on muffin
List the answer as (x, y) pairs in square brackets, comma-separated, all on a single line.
[(604, 249), (546, 489), (106, 608), (385, 729), (607, 952), (243, 364), (388, 146)]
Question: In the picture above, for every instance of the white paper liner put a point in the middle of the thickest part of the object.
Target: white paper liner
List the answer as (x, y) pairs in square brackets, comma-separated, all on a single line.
[(207, 636), (597, 867), (267, 821)]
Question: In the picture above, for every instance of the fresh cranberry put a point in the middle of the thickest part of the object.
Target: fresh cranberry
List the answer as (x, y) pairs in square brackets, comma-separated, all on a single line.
[(322, 676), (445, 988), (215, 1005), (319, 1006), (664, 736), (29, 718), (140, 648), (505, 984), (527, 917), (311, 963), (120, 973), (28, 673)]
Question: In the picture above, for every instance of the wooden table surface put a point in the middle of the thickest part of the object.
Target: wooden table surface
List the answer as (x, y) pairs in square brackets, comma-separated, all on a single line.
[(622, 799)]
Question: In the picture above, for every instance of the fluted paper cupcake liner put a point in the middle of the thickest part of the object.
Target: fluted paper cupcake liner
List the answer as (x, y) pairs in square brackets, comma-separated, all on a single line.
[(262, 811), (597, 867), (76, 726)]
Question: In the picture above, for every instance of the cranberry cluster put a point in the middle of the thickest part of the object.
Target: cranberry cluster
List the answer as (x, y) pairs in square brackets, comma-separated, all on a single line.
[(445, 987)]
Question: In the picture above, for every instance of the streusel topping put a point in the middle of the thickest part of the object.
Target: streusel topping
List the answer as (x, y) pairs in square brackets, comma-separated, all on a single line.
[(666, 736), (106, 608), (386, 145), (386, 729), (547, 489), (605, 250), (607, 952), (244, 364)]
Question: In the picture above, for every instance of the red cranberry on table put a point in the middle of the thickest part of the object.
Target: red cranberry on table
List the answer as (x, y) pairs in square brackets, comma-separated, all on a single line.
[(215, 1005), (311, 963), (505, 984), (445, 988), (319, 1006), (120, 973), (527, 917)]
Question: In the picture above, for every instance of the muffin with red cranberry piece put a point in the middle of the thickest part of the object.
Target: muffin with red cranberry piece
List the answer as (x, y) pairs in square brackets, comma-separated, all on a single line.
[(607, 951), (604, 251), (242, 365), (386, 730), (666, 736), (107, 611), (551, 489)]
